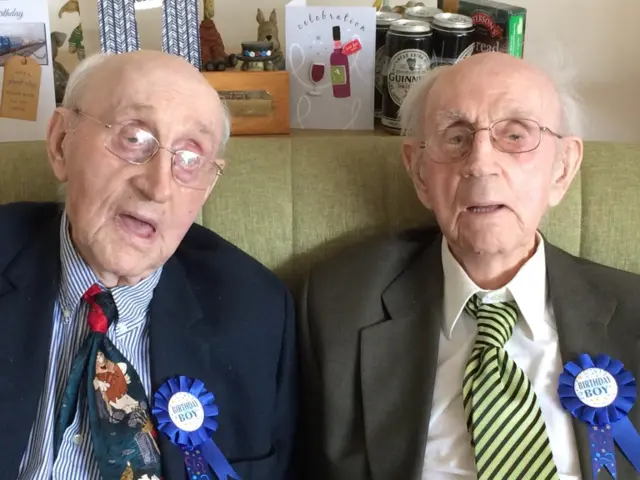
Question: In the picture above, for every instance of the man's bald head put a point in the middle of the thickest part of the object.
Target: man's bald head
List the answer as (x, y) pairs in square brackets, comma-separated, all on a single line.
[(103, 81), (500, 86), (107, 68), (496, 64), (484, 70)]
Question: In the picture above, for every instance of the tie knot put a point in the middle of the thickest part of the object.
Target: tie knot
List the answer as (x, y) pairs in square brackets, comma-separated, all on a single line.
[(495, 321), (102, 309)]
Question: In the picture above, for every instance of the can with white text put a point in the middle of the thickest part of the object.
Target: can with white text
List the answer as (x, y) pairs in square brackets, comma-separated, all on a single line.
[(409, 50)]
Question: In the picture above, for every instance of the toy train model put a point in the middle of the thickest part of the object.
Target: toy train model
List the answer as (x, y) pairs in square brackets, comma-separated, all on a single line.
[(9, 44)]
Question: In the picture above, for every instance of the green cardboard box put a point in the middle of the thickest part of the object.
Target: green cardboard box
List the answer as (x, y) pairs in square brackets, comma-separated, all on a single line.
[(499, 27)]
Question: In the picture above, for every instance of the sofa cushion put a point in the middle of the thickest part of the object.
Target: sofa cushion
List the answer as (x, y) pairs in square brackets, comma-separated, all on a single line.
[(291, 201)]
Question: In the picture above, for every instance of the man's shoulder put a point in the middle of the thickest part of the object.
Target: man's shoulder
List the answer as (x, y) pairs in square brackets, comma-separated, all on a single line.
[(20, 221), (28, 215), (621, 285), (618, 283), (209, 259), (372, 264)]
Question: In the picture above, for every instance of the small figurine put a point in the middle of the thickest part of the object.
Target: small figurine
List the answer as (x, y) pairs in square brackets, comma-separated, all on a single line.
[(258, 56), (72, 6), (382, 5), (401, 9), (214, 57), (268, 32), (76, 44), (60, 74)]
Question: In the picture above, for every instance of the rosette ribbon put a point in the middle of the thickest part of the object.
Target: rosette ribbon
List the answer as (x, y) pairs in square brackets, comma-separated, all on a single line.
[(604, 405), (201, 454)]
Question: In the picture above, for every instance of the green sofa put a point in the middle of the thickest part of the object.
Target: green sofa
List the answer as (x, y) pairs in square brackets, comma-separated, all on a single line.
[(290, 201)]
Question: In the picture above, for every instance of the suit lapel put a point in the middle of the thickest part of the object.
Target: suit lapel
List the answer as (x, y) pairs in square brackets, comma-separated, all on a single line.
[(582, 314), (176, 346), (398, 367), (28, 289)]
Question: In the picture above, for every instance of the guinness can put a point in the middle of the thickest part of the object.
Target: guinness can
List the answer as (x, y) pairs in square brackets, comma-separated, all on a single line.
[(426, 14), (383, 21), (409, 50), (452, 38)]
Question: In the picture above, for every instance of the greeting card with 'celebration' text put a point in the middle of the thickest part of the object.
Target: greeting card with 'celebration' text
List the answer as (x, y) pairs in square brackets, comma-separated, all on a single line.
[(330, 55)]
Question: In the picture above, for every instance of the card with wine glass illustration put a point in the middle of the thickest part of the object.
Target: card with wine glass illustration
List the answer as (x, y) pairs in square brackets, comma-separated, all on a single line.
[(331, 62)]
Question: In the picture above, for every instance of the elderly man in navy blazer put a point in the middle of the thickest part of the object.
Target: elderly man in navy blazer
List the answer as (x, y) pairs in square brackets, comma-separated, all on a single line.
[(134, 343)]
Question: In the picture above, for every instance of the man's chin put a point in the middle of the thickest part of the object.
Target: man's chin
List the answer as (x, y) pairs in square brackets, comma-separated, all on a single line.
[(488, 242), (124, 267)]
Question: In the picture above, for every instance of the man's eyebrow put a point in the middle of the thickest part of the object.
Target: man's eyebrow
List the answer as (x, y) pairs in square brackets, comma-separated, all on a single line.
[(139, 108), (444, 118), (514, 111), (448, 117), (204, 129), (145, 108)]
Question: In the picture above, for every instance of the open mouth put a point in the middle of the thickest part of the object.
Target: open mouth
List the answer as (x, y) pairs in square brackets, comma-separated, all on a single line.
[(138, 226), (485, 208)]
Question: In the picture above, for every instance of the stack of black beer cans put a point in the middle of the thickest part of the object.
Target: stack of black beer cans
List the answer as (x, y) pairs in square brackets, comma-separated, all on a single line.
[(408, 48)]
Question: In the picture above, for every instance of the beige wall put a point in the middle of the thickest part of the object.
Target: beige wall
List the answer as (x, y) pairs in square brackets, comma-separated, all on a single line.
[(599, 38)]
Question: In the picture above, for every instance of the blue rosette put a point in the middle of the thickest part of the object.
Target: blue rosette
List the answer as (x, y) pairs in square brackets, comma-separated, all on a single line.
[(600, 392), (186, 412)]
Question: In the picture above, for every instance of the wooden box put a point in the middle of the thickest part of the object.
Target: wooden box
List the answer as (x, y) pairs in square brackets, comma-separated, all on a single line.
[(258, 101)]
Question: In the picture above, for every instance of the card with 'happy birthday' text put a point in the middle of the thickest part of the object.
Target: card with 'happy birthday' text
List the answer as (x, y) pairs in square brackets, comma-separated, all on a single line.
[(26, 70)]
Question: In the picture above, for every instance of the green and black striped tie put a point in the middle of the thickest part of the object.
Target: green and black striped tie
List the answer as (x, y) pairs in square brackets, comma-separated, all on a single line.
[(504, 420)]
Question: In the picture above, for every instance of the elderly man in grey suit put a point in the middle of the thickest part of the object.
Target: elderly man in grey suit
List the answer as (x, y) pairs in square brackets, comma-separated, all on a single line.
[(436, 355)]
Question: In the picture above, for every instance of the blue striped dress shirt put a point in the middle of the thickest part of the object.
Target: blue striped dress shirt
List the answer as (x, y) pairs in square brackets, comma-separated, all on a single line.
[(130, 334)]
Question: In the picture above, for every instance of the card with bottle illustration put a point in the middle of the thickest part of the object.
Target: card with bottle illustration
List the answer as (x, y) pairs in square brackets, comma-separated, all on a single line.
[(330, 57)]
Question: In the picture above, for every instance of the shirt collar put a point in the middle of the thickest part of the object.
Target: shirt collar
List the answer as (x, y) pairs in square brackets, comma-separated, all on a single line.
[(132, 301), (528, 288)]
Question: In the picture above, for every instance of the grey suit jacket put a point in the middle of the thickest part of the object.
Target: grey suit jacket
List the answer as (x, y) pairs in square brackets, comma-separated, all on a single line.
[(369, 331)]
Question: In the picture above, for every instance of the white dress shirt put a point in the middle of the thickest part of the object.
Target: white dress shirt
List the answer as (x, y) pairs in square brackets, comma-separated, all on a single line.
[(533, 347), (130, 334)]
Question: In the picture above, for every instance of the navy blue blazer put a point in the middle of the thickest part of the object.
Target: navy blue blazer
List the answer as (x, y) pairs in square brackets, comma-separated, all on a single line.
[(216, 314)]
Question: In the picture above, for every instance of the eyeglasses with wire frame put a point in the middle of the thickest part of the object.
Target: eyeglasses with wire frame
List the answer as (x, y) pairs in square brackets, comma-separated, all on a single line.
[(135, 145), (511, 135)]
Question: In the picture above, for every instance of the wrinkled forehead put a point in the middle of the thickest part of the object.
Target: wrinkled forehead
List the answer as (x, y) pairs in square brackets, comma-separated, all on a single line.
[(481, 98), (163, 101)]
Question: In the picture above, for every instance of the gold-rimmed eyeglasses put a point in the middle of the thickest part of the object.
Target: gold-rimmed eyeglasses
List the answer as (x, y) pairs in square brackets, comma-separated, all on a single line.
[(511, 135), (135, 145)]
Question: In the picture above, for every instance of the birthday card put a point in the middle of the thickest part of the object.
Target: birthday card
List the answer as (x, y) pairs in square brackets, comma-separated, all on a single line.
[(27, 98), (330, 54)]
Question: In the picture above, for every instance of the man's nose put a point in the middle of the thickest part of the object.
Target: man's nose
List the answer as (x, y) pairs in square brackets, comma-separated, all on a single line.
[(155, 180), (483, 158)]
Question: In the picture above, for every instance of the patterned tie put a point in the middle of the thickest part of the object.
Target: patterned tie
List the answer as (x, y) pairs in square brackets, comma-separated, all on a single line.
[(503, 418), (122, 434)]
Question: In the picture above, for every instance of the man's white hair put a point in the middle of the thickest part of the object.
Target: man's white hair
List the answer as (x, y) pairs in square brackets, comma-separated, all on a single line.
[(77, 86), (413, 109)]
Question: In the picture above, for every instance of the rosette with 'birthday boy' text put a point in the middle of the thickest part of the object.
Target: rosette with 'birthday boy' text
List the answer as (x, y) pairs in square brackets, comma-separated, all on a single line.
[(600, 392), (186, 413)]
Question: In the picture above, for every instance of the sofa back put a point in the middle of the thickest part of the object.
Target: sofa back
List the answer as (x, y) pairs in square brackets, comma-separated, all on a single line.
[(291, 201)]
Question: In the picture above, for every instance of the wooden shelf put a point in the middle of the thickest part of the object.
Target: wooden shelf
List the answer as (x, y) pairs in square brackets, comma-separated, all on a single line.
[(278, 122), (254, 115)]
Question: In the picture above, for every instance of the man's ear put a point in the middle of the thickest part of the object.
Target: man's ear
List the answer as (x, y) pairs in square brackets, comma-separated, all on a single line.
[(565, 168), (413, 159), (57, 129)]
